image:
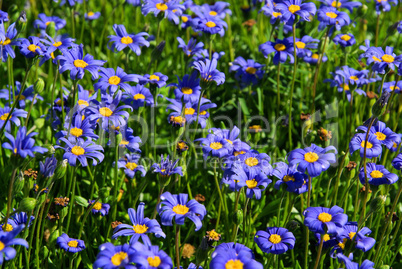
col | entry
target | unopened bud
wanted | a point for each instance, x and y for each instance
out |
(202, 252)
(61, 169)
(292, 225)
(19, 183)
(380, 105)
(27, 204)
(21, 22)
(377, 204)
(39, 86)
(157, 52)
(238, 217)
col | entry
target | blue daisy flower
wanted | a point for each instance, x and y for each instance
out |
(78, 149)
(138, 96)
(292, 8)
(151, 257)
(7, 239)
(330, 16)
(377, 175)
(208, 71)
(313, 59)
(392, 86)
(314, 159)
(177, 206)
(84, 98)
(157, 79)
(218, 9)
(231, 259)
(275, 240)
(329, 240)
(5, 113)
(187, 21)
(269, 10)
(366, 264)
(191, 48)
(281, 48)
(99, 207)
(75, 61)
(169, 9)
(232, 137)
(21, 218)
(23, 143)
(349, 5)
(113, 79)
(140, 227)
(187, 89)
(345, 40)
(166, 168)
(247, 72)
(381, 59)
(60, 42)
(124, 40)
(350, 232)
(43, 21)
(130, 164)
(4, 16)
(80, 127)
(210, 24)
(48, 167)
(325, 220)
(70, 244)
(7, 43)
(115, 257)
(294, 180)
(27, 94)
(232, 246)
(384, 6)
(129, 141)
(383, 133)
(215, 145)
(373, 145)
(304, 45)
(397, 162)
(90, 16)
(252, 160)
(32, 47)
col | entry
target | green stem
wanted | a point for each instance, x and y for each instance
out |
(278, 92)
(319, 253)
(9, 197)
(177, 245)
(293, 85)
(70, 209)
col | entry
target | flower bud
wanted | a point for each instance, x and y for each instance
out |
(157, 52)
(202, 252)
(51, 29)
(377, 204)
(238, 217)
(21, 22)
(380, 105)
(19, 183)
(27, 204)
(39, 86)
(292, 225)
(61, 169)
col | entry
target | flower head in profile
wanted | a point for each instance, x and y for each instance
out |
(294, 180)
(130, 164)
(157, 79)
(314, 159)
(113, 79)
(27, 95)
(14, 117)
(373, 145)
(269, 10)
(393, 86)
(169, 9)
(292, 8)
(90, 16)
(124, 40)
(230, 258)
(208, 71)
(43, 21)
(384, 6)
(70, 244)
(32, 47)
(166, 167)
(8, 41)
(22, 144)
(247, 72)
(138, 96)
(339, 4)
(99, 207)
(218, 9)
(330, 16)
(377, 175)
(351, 232)
(191, 48)
(282, 50)
(366, 264)
(78, 149)
(345, 40)
(325, 220)
(177, 206)
(232, 246)
(275, 240)
(303, 45)
(151, 257)
(48, 167)
(187, 89)
(114, 257)
(75, 61)
(7, 239)
(140, 227)
(313, 58)
(397, 162)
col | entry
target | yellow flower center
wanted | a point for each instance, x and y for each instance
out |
(311, 157)
(314, 56)
(124, 142)
(380, 136)
(4, 116)
(97, 206)
(213, 13)
(178, 119)
(76, 132)
(395, 145)
(342, 245)
(1, 246)
(154, 77)
(210, 24)
(229, 141)
(5, 42)
(126, 40)
(351, 235)
(77, 150)
(394, 88)
(234, 264)
(186, 90)
(184, 19)
(288, 178)
(251, 161)
(213, 235)
(332, 15)
(203, 113)
(387, 58)
(326, 237)
(189, 111)
(376, 59)
(83, 103)
(139, 96)
(216, 145)
(131, 166)
(336, 4)
(80, 64)
(48, 22)
(105, 111)
(276, 14)
(368, 145)
(57, 44)
(346, 37)
(33, 48)
(73, 243)
(114, 80)
(251, 70)
(376, 174)
(118, 258)
(9, 227)
(161, 6)
(294, 8)
(300, 45)
(154, 262)
(180, 209)
(251, 184)
(345, 87)
(275, 238)
(354, 78)
(280, 47)
(324, 217)
(90, 14)
(140, 229)
(237, 153)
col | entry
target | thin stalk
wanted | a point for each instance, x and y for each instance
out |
(30, 109)
(70, 209)
(317, 261)
(278, 92)
(177, 245)
(9, 197)
(293, 85)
